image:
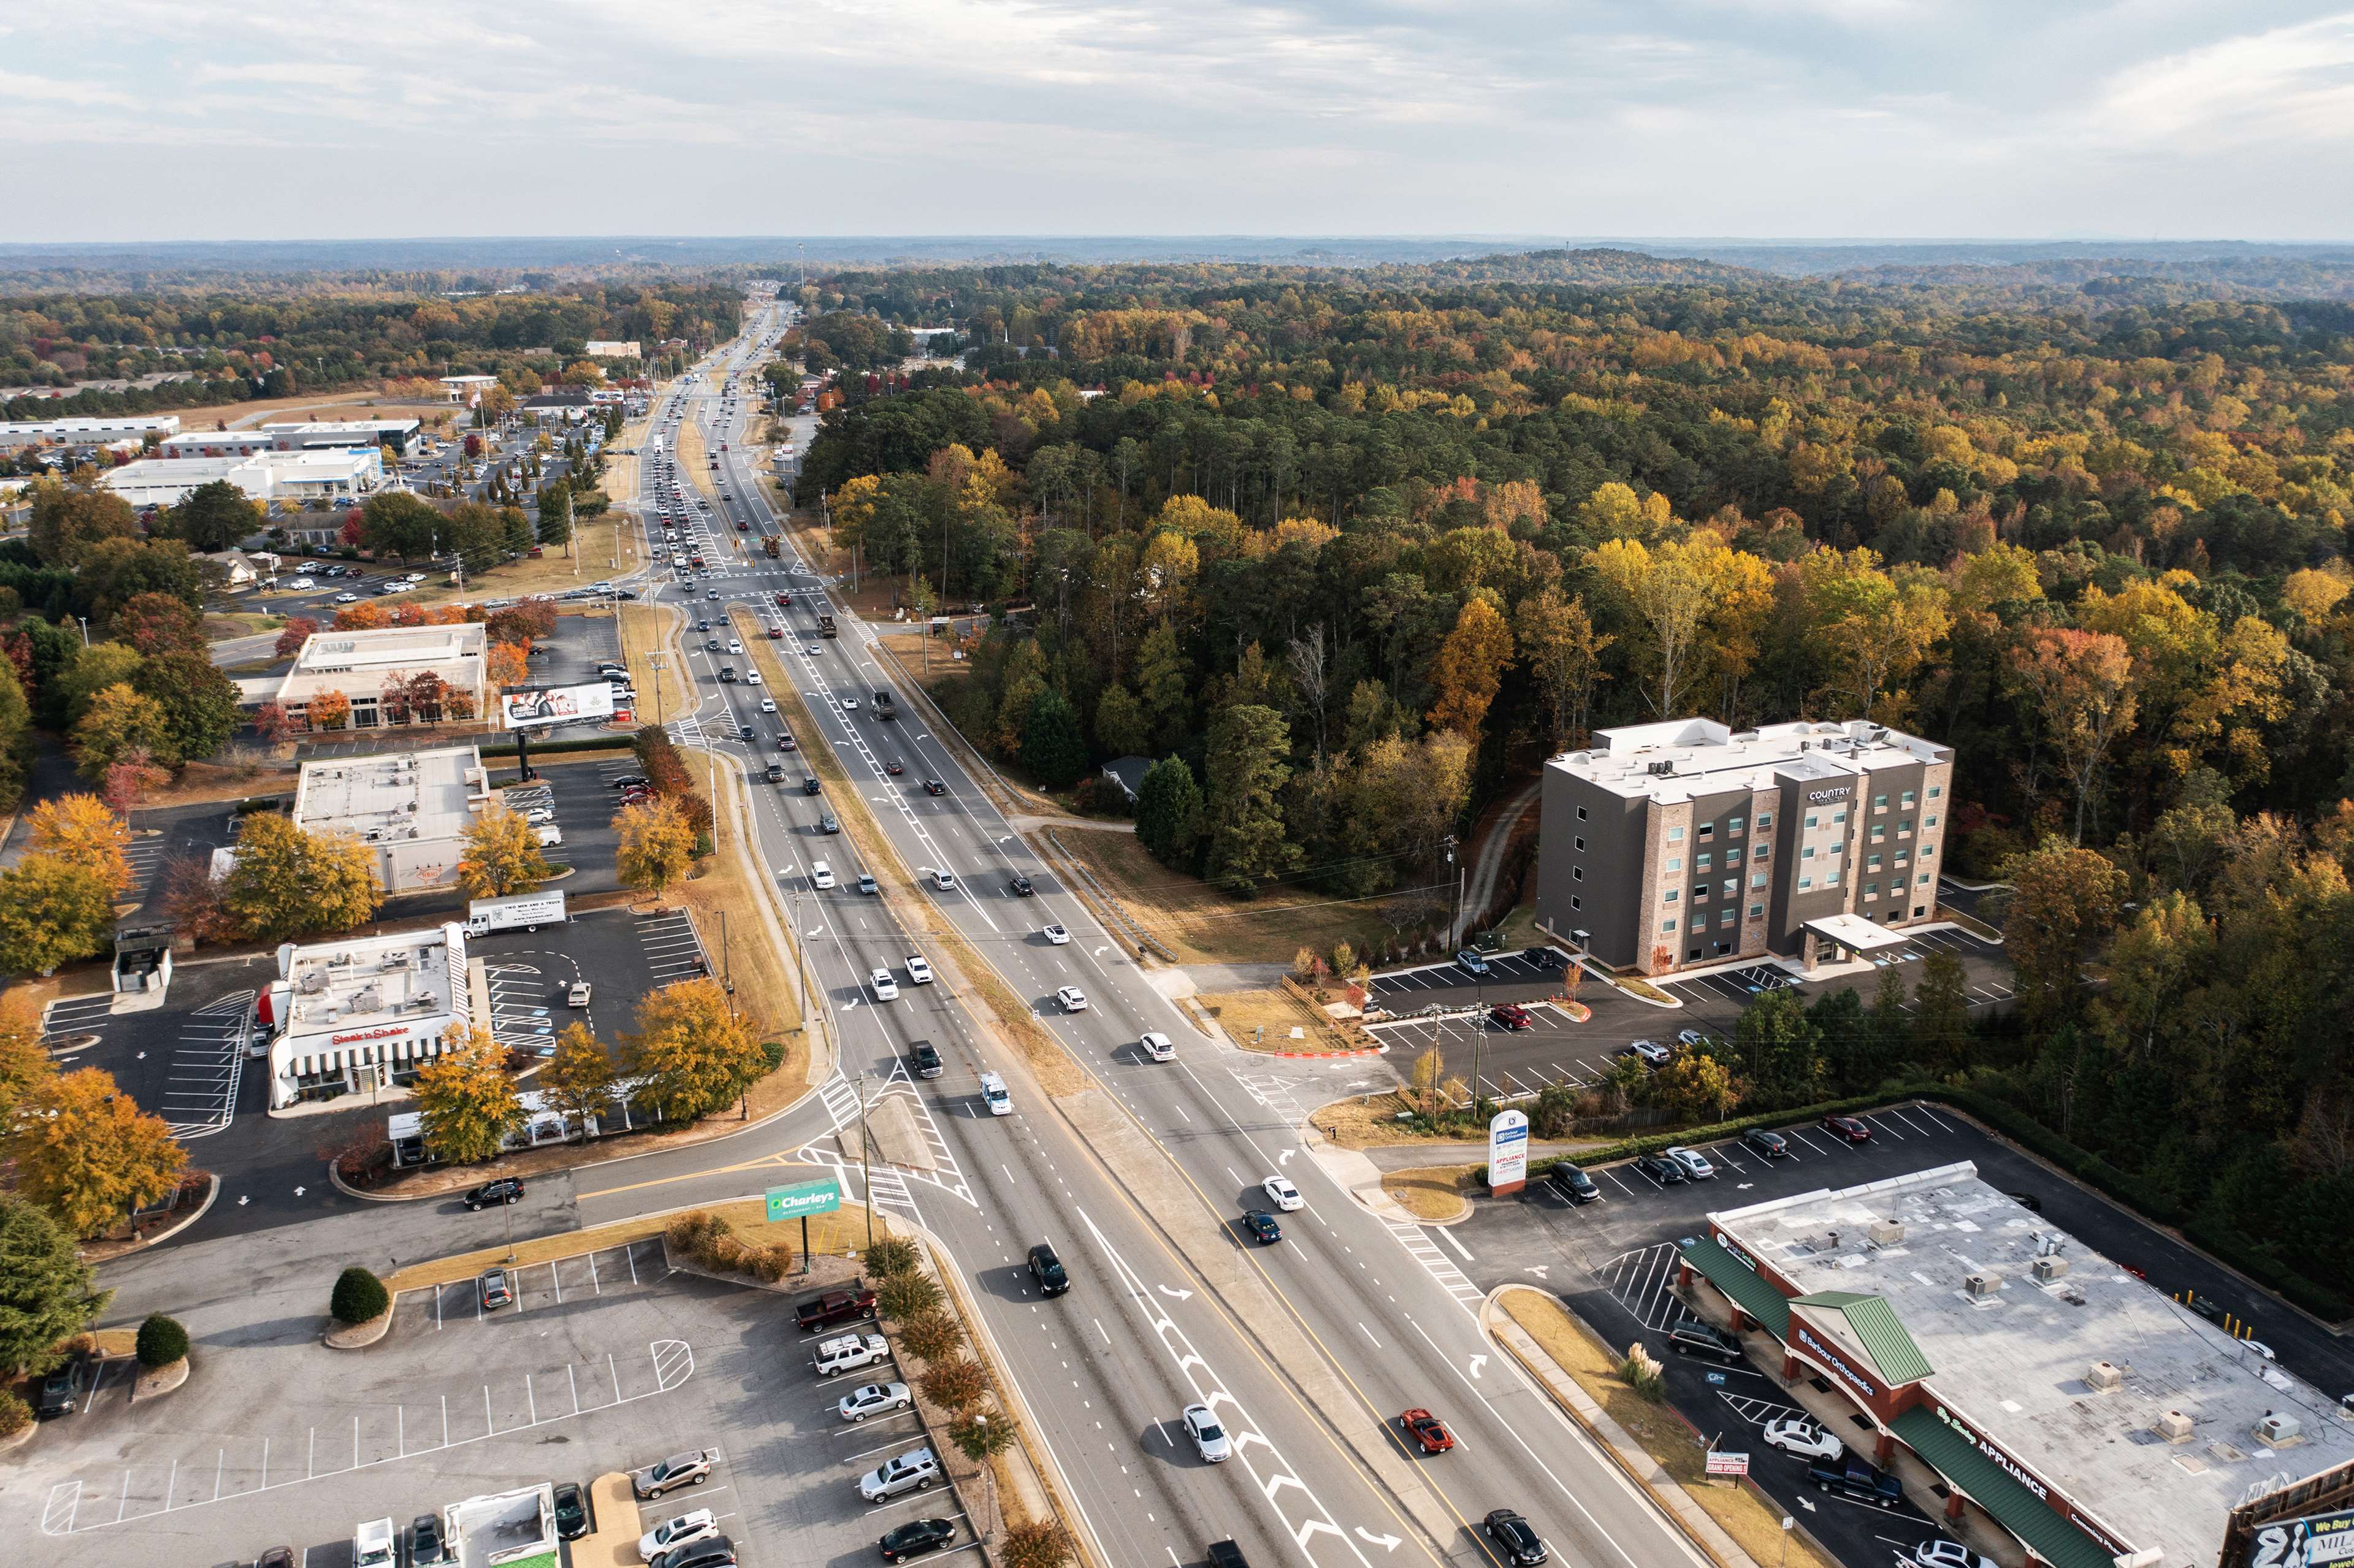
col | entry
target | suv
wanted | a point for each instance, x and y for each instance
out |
(425, 1543)
(919, 973)
(1048, 1271)
(1470, 963)
(928, 1059)
(1650, 1051)
(913, 1471)
(1856, 1479)
(691, 1468)
(1772, 1145)
(1021, 885)
(833, 1307)
(1573, 1184)
(65, 1389)
(1158, 1046)
(1693, 1338)
(993, 1094)
(852, 1352)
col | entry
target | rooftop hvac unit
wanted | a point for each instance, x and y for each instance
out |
(1983, 1284)
(2277, 1428)
(1662, 769)
(368, 1000)
(2049, 1267)
(2173, 1427)
(311, 983)
(2102, 1377)
(1885, 1232)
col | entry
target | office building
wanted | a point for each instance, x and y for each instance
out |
(89, 432)
(364, 665)
(410, 807)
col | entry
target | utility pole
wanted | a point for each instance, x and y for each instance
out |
(1455, 910)
(865, 1165)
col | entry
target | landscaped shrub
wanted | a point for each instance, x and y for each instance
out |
(954, 1386)
(892, 1255)
(908, 1294)
(979, 1436)
(162, 1341)
(15, 1414)
(359, 1298)
(931, 1335)
(1034, 1543)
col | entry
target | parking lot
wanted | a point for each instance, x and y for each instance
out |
(1613, 1262)
(605, 1362)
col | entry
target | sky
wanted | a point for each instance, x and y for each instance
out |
(155, 120)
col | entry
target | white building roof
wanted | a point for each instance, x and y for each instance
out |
(346, 992)
(421, 795)
(1681, 758)
(356, 664)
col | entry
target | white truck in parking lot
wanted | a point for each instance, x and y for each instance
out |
(524, 911)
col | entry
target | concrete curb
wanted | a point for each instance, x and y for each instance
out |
(360, 1336)
(159, 1237)
(162, 1380)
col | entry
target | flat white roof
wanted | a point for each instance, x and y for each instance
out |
(1681, 758)
(1855, 931)
(370, 982)
(403, 796)
(358, 663)
(2013, 1361)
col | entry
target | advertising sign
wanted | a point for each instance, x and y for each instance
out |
(1727, 1464)
(1508, 1151)
(558, 704)
(802, 1199)
(2316, 1540)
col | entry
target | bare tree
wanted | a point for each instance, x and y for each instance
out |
(1311, 673)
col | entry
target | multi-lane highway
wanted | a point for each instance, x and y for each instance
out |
(1307, 1348)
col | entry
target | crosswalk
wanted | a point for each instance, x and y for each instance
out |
(840, 1097)
(1418, 1245)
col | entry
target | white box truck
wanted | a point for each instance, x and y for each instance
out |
(524, 911)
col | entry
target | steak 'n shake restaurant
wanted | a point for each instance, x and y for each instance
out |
(2046, 1390)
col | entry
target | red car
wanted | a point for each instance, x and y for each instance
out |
(775, 633)
(1847, 1128)
(742, 527)
(1426, 1431)
(1510, 1015)
(895, 767)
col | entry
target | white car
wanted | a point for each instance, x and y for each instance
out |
(821, 875)
(1695, 1164)
(885, 989)
(374, 1544)
(301, 584)
(1159, 1048)
(849, 705)
(734, 646)
(1282, 1194)
(768, 705)
(1691, 1039)
(1056, 935)
(1073, 998)
(1210, 1439)
(751, 677)
(995, 1095)
(419, 576)
(347, 598)
(1948, 1554)
(1653, 1052)
(918, 971)
(700, 1525)
(874, 1399)
(944, 880)
(1796, 1434)
(809, 648)
(849, 1353)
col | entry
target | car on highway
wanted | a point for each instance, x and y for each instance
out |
(347, 598)
(914, 1538)
(1696, 1166)
(934, 787)
(1510, 1015)
(1470, 963)
(1514, 1537)
(1649, 1051)
(1846, 1129)
(1262, 1226)
(1660, 1169)
(866, 884)
(946, 882)
(919, 969)
(1427, 1432)
(1055, 935)
(1573, 1184)
(1021, 886)
(496, 1289)
(506, 1190)
(809, 785)
(768, 705)
(809, 648)
(787, 743)
(913, 1471)
(676, 1532)
(870, 1400)
(1048, 1271)
(1282, 1193)
(995, 1095)
(734, 646)
(821, 875)
(1761, 1142)
(1807, 1439)
(851, 1353)
(691, 1468)
(884, 987)
(1073, 998)
(849, 702)
(1157, 1046)
(1210, 1440)
(895, 767)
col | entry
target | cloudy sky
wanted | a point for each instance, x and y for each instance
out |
(283, 119)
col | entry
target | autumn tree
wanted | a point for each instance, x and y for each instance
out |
(2082, 683)
(1470, 667)
(81, 832)
(467, 1102)
(501, 856)
(2065, 903)
(88, 1155)
(1694, 1085)
(696, 1052)
(579, 1079)
(24, 1062)
(157, 623)
(328, 710)
(52, 913)
(130, 778)
(1247, 751)
(657, 844)
(121, 720)
(1563, 654)
(290, 883)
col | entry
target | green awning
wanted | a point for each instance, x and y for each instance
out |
(1741, 1282)
(1873, 1323)
(1990, 1486)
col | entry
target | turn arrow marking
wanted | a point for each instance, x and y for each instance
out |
(1386, 1543)
(1176, 1295)
(1477, 1362)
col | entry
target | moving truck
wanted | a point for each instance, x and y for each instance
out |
(524, 911)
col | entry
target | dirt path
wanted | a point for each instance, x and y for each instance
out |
(1481, 889)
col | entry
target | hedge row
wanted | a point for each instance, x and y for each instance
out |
(2227, 1246)
(542, 748)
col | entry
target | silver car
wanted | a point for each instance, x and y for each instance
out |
(1210, 1439)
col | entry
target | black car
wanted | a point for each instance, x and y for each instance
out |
(927, 1060)
(572, 1520)
(1021, 885)
(506, 1190)
(1262, 1227)
(63, 1390)
(914, 1538)
(1573, 1184)
(934, 787)
(276, 1557)
(712, 1551)
(630, 781)
(1856, 1479)
(712, 646)
(1693, 1338)
(1515, 1537)
(1544, 958)
(425, 1543)
(1772, 1145)
(809, 784)
(1660, 1169)
(1048, 1271)
(745, 732)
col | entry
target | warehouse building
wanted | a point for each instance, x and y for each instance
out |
(2012, 1376)
(411, 809)
(361, 1016)
(287, 478)
(363, 665)
(89, 432)
(341, 435)
(1687, 842)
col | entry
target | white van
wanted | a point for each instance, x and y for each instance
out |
(993, 1094)
(821, 875)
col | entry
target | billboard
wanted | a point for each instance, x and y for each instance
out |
(558, 704)
(803, 1198)
(2313, 1542)
(1508, 1151)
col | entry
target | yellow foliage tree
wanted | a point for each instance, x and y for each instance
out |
(501, 856)
(657, 845)
(79, 831)
(467, 1103)
(87, 1154)
(1471, 666)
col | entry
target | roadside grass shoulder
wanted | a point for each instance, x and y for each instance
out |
(834, 1234)
(1433, 1192)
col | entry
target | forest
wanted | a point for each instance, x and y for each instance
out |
(1349, 552)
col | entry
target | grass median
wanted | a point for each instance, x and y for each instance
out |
(914, 905)
(831, 1235)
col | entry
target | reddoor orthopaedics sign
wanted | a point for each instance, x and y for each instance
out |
(559, 704)
(1508, 1151)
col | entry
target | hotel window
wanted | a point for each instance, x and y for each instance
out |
(1581, 813)
(1577, 873)
(1835, 848)
(1923, 879)
(1805, 883)
(1906, 798)
(1928, 850)
(1757, 879)
(1579, 843)
(1900, 862)
(1576, 901)
(1830, 879)
(1667, 925)
(1675, 835)
(1758, 911)
(1725, 919)
(1935, 791)
(1872, 862)
(1878, 833)
(1808, 852)
(1930, 822)
(1903, 827)
(1675, 862)
(1733, 827)
(1764, 820)
(1731, 885)
(1879, 802)
(1699, 862)
(1670, 896)
(1813, 818)
(1706, 829)
(1871, 890)
(1700, 895)
(1731, 857)
(1837, 817)
(1760, 852)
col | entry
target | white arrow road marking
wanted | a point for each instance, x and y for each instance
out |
(1743, 1186)
(1805, 1504)
(1477, 1362)
(1176, 1295)
(1386, 1543)
(1541, 1269)
(1100, 951)
(1283, 1157)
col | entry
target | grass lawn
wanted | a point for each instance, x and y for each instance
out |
(762, 975)
(643, 629)
(357, 404)
(219, 626)
(1753, 1520)
(843, 1231)
(1264, 1020)
(1432, 1193)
